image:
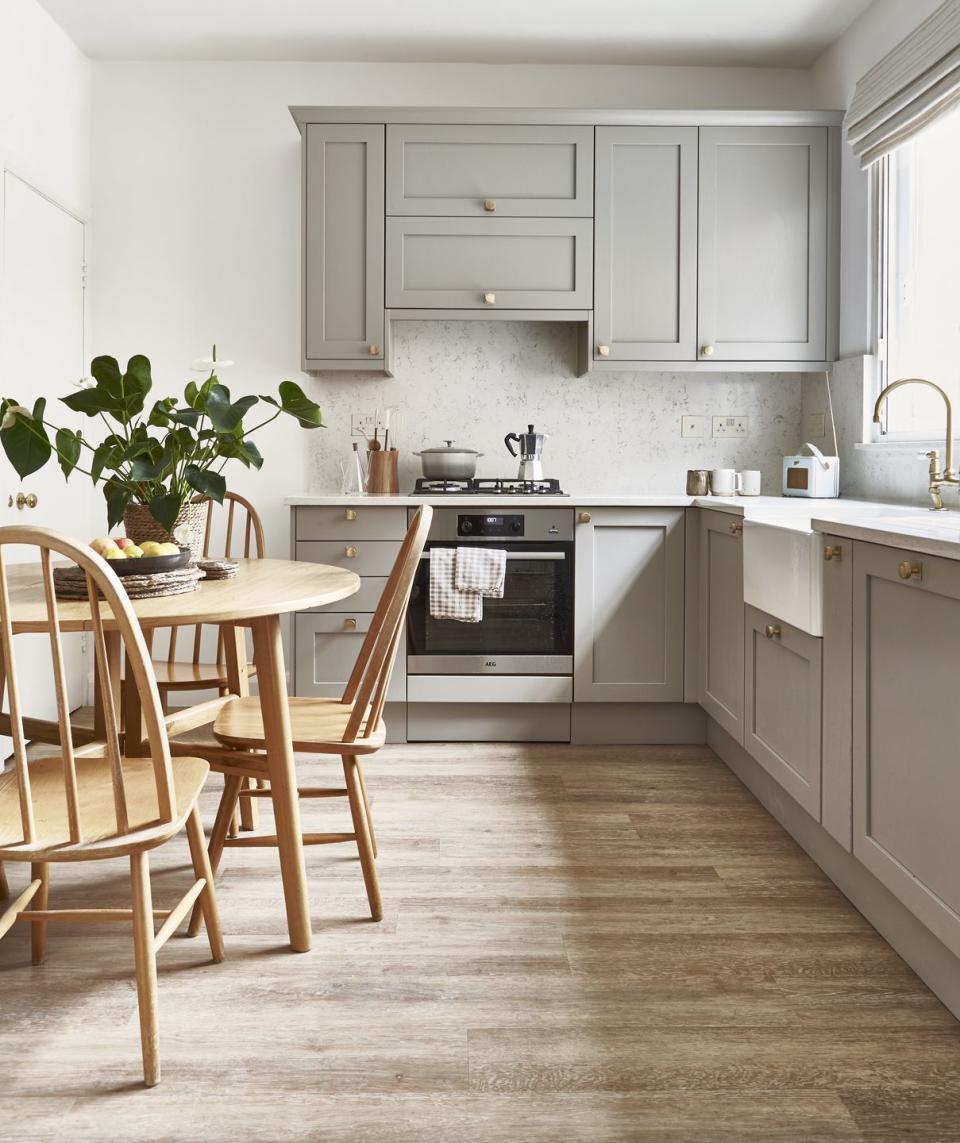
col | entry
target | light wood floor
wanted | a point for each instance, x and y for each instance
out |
(587, 944)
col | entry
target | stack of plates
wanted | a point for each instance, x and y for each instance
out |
(218, 569)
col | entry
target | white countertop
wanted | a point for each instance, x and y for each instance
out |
(898, 525)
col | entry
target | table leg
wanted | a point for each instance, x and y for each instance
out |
(134, 739)
(271, 675)
(238, 683)
(113, 644)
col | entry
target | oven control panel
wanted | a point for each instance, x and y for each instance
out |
(507, 525)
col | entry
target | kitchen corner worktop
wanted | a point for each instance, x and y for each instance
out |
(898, 525)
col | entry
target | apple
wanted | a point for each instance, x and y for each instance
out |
(132, 552)
(151, 548)
(112, 553)
(169, 550)
(100, 544)
(123, 542)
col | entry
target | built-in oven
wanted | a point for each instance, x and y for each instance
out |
(527, 632)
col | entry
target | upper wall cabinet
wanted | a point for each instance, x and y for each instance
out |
(764, 231)
(645, 306)
(343, 222)
(476, 171)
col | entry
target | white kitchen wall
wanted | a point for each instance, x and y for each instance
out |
(196, 190)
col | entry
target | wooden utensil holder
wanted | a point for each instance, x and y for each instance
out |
(382, 475)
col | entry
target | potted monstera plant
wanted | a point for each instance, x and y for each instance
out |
(152, 458)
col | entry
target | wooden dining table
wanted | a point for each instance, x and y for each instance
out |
(260, 593)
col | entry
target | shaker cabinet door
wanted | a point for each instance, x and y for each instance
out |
(645, 306)
(906, 730)
(343, 222)
(763, 259)
(721, 620)
(628, 644)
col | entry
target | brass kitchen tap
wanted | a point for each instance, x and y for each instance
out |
(937, 478)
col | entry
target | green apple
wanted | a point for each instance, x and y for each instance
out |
(151, 548)
(169, 550)
(132, 552)
(112, 553)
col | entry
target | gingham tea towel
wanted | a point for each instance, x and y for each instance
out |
(445, 601)
(481, 570)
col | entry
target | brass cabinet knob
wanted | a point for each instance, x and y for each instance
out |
(584, 518)
(350, 552)
(911, 569)
(489, 299)
(736, 528)
(706, 351)
(350, 514)
(374, 351)
(772, 631)
(24, 500)
(603, 350)
(350, 624)
(833, 553)
(490, 205)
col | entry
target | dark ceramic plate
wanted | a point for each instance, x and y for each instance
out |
(148, 565)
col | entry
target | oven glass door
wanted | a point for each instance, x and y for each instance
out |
(529, 631)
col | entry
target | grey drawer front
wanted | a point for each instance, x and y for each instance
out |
(326, 650)
(333, 523)
(369, 557)
(520, 171)
(451, 263)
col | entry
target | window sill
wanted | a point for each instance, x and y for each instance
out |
(881, 447)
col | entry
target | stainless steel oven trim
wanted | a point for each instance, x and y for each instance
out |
(489, 664)
(513, 555)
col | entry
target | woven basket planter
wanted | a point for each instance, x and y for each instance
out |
(139, 524)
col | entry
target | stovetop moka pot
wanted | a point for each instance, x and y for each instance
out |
(531, 450)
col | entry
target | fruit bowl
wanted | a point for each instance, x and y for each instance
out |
(149, 565)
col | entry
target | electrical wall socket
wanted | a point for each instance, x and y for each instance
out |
(363, 424)
(692, 426)
(731, 426)
(815, 425)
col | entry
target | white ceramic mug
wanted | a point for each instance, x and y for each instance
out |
(749, 482)
(724, 481)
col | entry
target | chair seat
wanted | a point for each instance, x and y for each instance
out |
(97, 817)
(179, 676)
(317, 726)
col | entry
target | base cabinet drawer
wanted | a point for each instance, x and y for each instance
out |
(782, 708)
(325, 650)
(490, 264)
(489, 170)
(366, 558)
(350, 523)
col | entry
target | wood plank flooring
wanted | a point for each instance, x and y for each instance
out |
(579, 943)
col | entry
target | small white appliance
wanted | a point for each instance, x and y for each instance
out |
(817, 476)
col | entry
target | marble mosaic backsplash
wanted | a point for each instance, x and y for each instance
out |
(475, 381)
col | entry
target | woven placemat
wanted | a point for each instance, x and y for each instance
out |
(218, 569)
(71, 583)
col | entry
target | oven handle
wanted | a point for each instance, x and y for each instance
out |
(522, 555)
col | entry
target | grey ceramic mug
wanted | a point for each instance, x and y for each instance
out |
(698, 482)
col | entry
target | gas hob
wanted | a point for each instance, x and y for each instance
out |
(488, 486)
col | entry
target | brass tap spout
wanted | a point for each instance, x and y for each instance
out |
(948, 476)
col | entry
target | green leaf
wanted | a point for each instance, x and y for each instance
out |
(224, 416)
(237, 449)
(207, 482)
(120, 395)
(117, 498)
(143, 468)
(160, 413)
(26, 442)
(165, 509)
(297, 404)
(106, 373)
(68, 450)
(189, 417)
(92, 402)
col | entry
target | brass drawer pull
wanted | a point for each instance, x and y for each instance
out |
(350, 552)
(736, 529)
(350, 624)
(584, 518)
(772, 631)
(833, 553)
(374, 351)
(350, 514)
(489, 299)
(911, 570)
(490, 205)
(603, 350)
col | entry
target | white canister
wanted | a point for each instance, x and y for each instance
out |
(723, 481)
(750, 482)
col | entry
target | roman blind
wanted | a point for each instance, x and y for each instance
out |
(913, 84)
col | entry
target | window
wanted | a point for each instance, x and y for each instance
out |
(919, 278)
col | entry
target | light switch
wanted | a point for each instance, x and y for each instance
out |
(692, 426)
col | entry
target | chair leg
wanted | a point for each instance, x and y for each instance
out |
(366, 807)
(221, 826)
(248, 807)
(39, 871)
(362, 830)
(208, 898)
(146, 964)
(4, 885)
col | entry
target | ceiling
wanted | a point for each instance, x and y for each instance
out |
(775, 33)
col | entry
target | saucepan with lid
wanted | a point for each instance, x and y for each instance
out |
(448, 462)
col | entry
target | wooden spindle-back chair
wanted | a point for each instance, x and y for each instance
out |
(351, 726)
(89, 802)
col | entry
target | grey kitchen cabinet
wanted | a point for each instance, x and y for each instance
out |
(765, 233)
(343, 224)
(645, 305)
(906, 730)
(722, 620)
(354, 522)
(326, 649)
(836, 793)
(489, 170)
(628, 605)
(489, 264)
(782, 708)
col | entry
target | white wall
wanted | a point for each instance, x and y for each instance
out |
(196, 190)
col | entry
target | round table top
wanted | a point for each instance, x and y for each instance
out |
(260, 587)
